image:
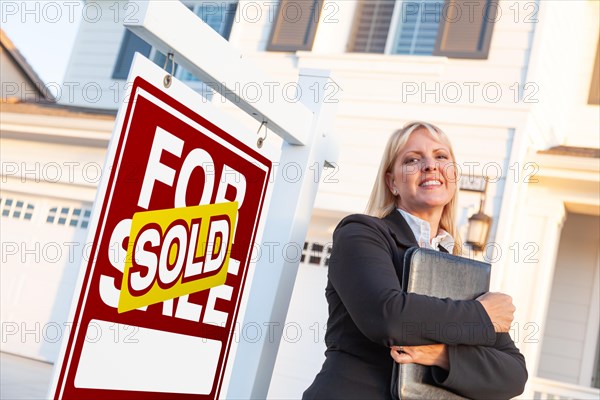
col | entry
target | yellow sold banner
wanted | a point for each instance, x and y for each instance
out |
(175, 252)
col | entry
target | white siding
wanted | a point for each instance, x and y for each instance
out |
(561, 67)
(96, 48)
(251, 27)
(564, 341)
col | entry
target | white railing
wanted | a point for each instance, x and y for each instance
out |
(546, 389)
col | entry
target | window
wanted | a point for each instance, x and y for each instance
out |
(295, 25)
(131, 43)
(69, 216)
(452, 28)
(418, 27)
(317, 255)
(17, 209)
(218, 15)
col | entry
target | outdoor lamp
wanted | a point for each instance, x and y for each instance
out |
(479, 228)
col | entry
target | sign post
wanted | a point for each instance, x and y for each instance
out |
(186, 203)
(286, 228)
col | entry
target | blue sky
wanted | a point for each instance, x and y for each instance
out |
(44, 32)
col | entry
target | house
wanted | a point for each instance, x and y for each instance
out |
(52, 156)
(514, 84)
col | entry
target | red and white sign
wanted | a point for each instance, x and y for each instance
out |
(174, 225)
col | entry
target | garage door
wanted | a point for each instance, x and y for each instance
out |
(302, 345)
(42, 247)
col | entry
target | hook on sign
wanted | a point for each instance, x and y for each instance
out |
(168, 79)
(261, 140)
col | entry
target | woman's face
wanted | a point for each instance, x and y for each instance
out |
(423, 174)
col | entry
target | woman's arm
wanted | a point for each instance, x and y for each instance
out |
(428, 354)
(480, 372)
(362, 271)
(476, 372)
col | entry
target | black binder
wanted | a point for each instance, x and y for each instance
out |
(442, 275)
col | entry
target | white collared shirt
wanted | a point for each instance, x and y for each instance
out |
(422, 231)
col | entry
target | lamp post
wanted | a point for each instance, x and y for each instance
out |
(479, 227)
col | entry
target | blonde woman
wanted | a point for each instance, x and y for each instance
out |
(412, 204)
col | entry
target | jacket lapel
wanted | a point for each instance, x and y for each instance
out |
(400, 230)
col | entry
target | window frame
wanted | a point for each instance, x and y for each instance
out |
(179, 71)
(395, 25)
(125, 54)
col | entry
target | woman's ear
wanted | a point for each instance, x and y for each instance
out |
(389, 180)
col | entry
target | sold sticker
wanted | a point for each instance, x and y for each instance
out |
(175, 252)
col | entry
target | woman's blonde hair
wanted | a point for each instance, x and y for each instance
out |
(382, 202)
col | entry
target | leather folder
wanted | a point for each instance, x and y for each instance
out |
(442, 275)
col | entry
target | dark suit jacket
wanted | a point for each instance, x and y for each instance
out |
(369, 312)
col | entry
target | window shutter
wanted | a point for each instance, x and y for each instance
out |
(130, 44)
(418, 27)
(466, 28)
(230, 10)
(371, 26)
(595, 86)
(295, 25)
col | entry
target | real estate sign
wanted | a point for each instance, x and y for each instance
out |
(177, 214)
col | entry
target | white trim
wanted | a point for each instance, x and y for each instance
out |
(551, 389)
(506, 213)
(394, 24)
(57, 190)
(334, 30)
(374, 63)
(553, 214)
(591, 336)
(562, 166)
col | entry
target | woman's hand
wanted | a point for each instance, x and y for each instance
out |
(499, 308)
(432, 354)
